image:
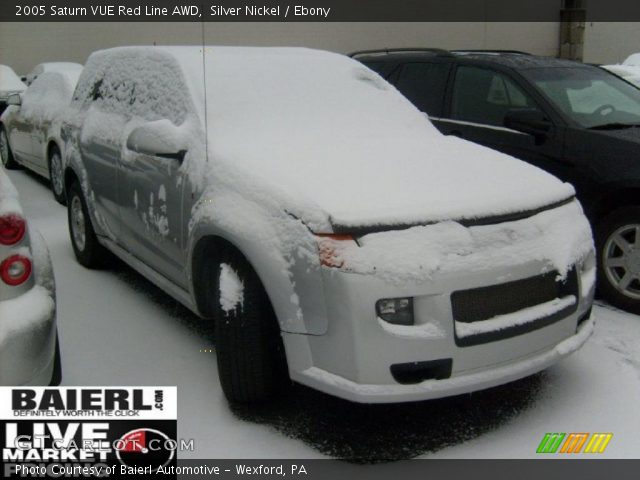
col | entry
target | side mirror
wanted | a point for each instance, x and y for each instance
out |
(528, 120)
(158, 139)
(14, 99)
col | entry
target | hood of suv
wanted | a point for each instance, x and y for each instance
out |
(333, 140)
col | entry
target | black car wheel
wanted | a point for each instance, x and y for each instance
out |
(56, 176)
(56, 375)
(250, 354)
(85, 245)
(618, 242)
(5, 152)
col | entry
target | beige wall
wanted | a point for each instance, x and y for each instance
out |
(609, 42)
(23, 45)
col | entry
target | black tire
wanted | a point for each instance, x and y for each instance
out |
(89, 253)
(251, 359)
(56, 376)
(56, 176)
(619, 221)
(8, 162)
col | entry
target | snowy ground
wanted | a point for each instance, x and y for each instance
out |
(118, 329)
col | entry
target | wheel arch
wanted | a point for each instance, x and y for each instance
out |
(280, 288)
(51, 145)
(70, 176)
(627, 196)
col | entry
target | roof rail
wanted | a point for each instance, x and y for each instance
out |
(437, 51)
(489, 52)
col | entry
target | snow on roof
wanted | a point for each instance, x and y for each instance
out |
(633, 60)
(57, 67)
(48, 95)
(325, 134)
(9, 81)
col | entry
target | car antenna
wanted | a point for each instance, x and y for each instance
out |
(204, 81)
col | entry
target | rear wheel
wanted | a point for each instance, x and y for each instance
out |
(56, 176)
(86, 247)
(8, 161)
(618, 242)
(251, 358)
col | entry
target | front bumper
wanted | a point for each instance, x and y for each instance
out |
(353, 359)
(370, 393)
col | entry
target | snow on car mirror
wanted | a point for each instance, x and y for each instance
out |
(160, 138)
(14, 99)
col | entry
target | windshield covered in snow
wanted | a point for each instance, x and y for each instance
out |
(591, 97)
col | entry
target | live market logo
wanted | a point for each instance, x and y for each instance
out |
(82, 431)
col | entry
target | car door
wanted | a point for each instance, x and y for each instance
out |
(99, 141)
(150, 194)
(478, 102)
(19, 133)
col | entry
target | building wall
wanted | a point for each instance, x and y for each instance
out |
(610, 42)
(23, 45)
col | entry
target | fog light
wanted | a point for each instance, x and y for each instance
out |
(398, 311)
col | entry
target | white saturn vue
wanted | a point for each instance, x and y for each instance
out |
(333, 235)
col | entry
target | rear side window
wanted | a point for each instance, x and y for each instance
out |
(424, 84)
(485, 96)
(143, 85)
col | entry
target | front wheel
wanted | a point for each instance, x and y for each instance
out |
(56, 176)
(251, 359)
(618, 243)
(86, 247)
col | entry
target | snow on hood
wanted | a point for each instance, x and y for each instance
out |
(9, 81)
(329, 141)
(334, 136)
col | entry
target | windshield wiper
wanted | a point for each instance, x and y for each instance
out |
(614, 126)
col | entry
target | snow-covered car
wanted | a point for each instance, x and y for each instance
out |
(29, 348)
(332, 234)
(61, 67)
(10, 83)
(30, 127)
(629, 72)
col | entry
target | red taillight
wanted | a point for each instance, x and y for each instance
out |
(12, 228)
(329, 246)
(15, 270)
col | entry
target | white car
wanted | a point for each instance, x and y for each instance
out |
(333, 235)
(30, 127)
(62, 67)
(29, 348)
(630, 73)
(10, 83)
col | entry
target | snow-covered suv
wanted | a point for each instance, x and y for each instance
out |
(332, 233)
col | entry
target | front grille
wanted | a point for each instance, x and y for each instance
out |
(484, 303)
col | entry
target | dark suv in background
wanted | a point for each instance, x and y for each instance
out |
(576, 121)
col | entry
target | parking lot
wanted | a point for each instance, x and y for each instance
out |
(118, 329)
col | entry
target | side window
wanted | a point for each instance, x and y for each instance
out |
(485, 96)
(145, 85)
(424, 84)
